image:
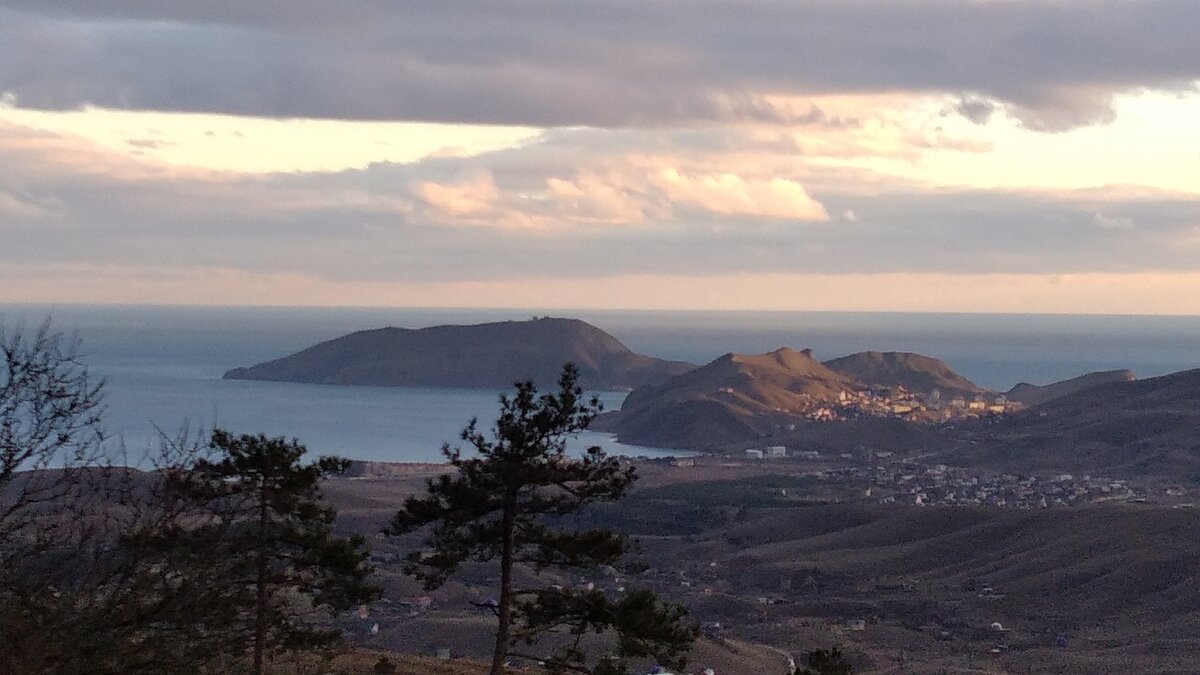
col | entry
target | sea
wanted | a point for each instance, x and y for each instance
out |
(162, 365)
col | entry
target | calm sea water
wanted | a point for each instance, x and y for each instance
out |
(163, 364)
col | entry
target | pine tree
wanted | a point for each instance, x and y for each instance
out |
(500, 507)
(266, 542)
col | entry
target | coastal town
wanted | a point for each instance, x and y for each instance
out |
(940, 485)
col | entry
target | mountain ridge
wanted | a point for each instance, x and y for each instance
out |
(1034, 394)
(751, 383)
(914, 372)
(733, 398)
(483, 355)
(1128, 427)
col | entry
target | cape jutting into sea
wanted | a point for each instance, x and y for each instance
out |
(163, 365)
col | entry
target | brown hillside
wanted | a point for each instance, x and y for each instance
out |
(914, 372)
(734, 398)
(758, 383)
(691, 423)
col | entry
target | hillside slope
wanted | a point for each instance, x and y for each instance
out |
(750, 382)
(1033, 394)
(735, 397)
(1140, 426)
(471, 356)
(1103, 560)
(1117, 580)
(914, 372)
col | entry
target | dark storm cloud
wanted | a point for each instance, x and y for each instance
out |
(625, 62)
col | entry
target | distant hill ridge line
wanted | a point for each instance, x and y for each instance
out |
(721, 398)
(914, 372)
(739, 398)
(1120, 426)
(798, 372)
(1032, 394)
(483, 355)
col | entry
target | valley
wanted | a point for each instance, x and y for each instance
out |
(782, 556)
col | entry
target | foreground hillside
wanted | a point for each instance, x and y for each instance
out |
(473, 356)
(1118, 584)
(771, 572)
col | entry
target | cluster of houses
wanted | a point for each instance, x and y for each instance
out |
(942, 485)
(880, 477)
(933, 407)
(900, 403)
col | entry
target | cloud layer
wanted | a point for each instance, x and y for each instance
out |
(532, 212)
(614, 63)
(697, 143)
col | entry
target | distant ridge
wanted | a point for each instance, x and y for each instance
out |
(1139, 426)
(914, 372)
(750, 383)
(489, 355)
(733, 398)
(1032, 394)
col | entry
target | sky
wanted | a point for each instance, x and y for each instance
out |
(859, 155)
